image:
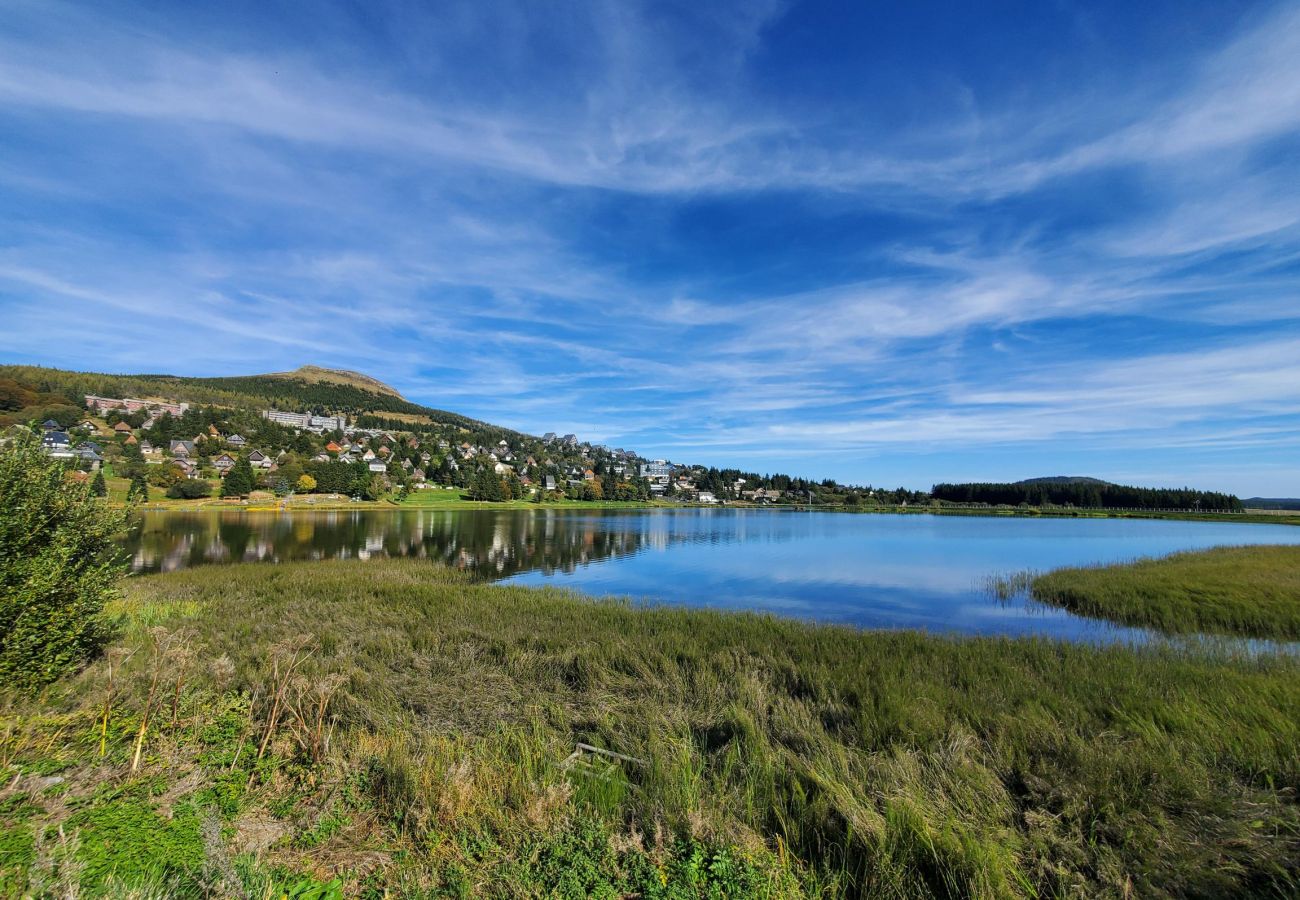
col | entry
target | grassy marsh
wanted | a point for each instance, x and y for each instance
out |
(778, 758)
(1246, 591)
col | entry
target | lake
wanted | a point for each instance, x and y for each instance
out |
(869, 570)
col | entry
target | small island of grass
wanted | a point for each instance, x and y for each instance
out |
(1243, 591)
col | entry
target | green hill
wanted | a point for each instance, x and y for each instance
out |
(309, 388)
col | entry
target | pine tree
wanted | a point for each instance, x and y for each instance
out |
(98, 487)
(138, 490)
(239, 480)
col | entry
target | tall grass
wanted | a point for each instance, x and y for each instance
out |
(1249, 591)
(861, 764)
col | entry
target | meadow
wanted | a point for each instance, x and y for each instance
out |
(390, 728)
(1246, 591)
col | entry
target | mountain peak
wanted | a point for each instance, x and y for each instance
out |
(338, 376)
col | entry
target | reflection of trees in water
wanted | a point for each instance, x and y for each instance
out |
(495, 543)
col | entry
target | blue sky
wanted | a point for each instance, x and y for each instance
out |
(887, 243)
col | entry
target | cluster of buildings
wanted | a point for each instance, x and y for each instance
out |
(556, 463)
(104, 405)
(58, 444)
(307, 421)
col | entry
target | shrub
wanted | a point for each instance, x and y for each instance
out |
(59, 563)
(190, 489)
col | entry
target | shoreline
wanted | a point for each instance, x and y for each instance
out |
(461, 505)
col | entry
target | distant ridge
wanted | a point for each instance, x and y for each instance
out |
(1063, 479)
(345, 377)
(1272, 502)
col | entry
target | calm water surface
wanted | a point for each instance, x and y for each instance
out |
(875, 571)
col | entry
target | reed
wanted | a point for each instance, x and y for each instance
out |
(1247, 591)
(771, 757)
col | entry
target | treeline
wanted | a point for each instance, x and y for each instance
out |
(1116, 496)
(21, 403)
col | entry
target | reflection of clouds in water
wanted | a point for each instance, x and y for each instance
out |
(876, 571)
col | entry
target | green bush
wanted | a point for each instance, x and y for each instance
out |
(58, 565)
(189, 489)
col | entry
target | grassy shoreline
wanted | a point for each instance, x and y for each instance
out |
(1244, 591)
(778, 758)
(453, 501)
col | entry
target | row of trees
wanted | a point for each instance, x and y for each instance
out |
(1086, 494)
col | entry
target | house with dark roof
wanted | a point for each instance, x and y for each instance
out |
(236, 441)
(181, 449)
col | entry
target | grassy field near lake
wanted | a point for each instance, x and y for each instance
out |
(394, 729)
(1248, 591)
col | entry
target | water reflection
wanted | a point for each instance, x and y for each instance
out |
(880, 571)
(492, 543)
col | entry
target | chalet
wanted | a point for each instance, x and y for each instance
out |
(321, 457)
(425, 457)
(377, 465)
(188, 467)
(368, 455)
(550, 480)
(149, 422)
(88, 425)
(548, 438)
(122, 428)
(408, 465)
(259, 460)
(418, 476)
(147, 448)
(333, 447)
(54, 439)
(89, 445)
(236, 441)
(588, 475)
(224, 463)
(502, 469)
(51, 425)
(131, 440)
(385, 452)
(181, 448)
(212, 430)
(706, 497)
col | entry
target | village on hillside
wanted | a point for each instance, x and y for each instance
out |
(196, 451)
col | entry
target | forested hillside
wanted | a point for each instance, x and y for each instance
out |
(282, 391)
